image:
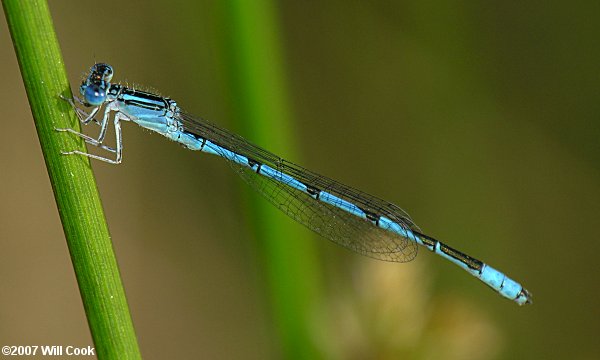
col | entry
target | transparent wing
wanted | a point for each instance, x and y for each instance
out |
(343, 228)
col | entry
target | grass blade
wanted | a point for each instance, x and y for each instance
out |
(72, 180)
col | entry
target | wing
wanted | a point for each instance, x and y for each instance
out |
(334, 221)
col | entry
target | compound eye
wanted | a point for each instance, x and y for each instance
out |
(94, 94)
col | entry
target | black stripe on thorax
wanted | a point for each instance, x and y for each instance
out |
(143, 99)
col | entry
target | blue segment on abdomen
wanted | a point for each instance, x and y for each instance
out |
(500, 282)
(269, 172)
(389, 225)
(190, 141)
(262, 169)
(347, 206)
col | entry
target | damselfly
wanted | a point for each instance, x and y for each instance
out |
(349, 217)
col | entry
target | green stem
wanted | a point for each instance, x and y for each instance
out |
(72, 180)
(262, 111)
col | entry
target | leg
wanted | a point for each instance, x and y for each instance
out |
(83, 116)
(90, 140)
(103, 127)
(98, 143)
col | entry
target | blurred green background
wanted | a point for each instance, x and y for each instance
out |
(480, 120)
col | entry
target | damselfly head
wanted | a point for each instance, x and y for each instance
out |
(100, 72)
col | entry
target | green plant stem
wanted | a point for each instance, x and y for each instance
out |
(72, 180)
(257, 75)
